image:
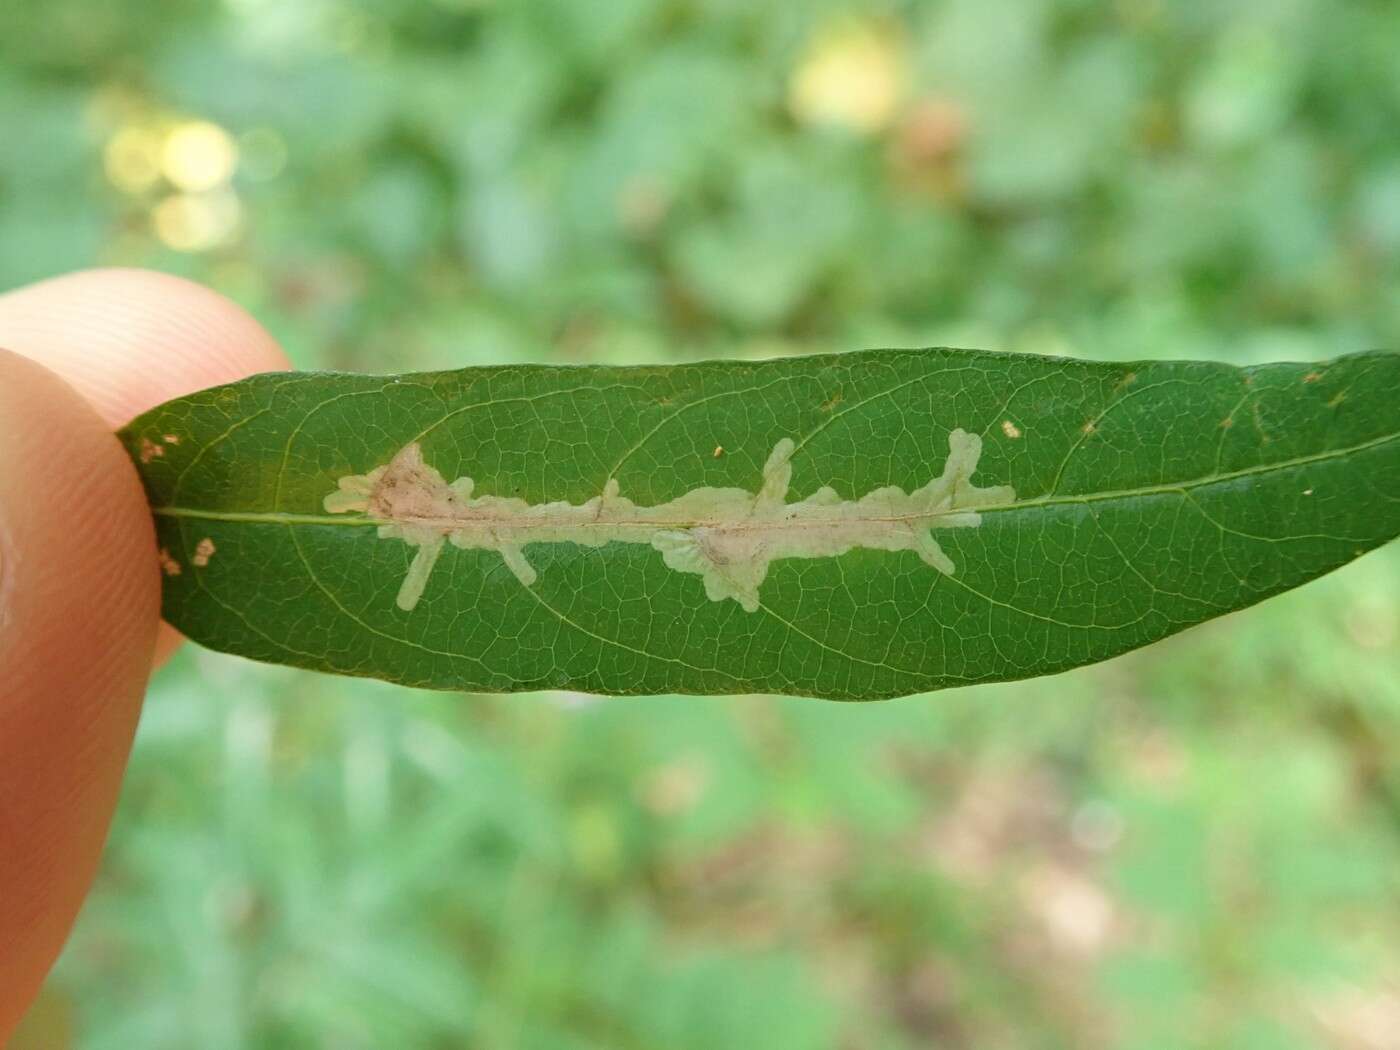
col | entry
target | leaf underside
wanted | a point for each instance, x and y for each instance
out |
(852, 526)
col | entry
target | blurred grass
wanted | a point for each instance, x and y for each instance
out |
(1194, 846)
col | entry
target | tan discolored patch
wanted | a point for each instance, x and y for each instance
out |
(168, 565)
(203, 552)
(150, 450)
(727, 536)
(1088, 428)
(719, 451)
(1010, 429)
(1312, 377)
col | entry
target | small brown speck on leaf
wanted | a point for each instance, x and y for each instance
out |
(1312, 377)
(719, 451)
(831, 402)
(203, 552)
(171, 439)
(1010, 429)
(1089, 428)
(1341, 396)
(150, 450)
(168, 565)
(1227, 422)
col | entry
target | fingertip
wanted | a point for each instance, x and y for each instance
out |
(129, 339)
(79, 607)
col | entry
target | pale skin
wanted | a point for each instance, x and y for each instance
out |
(80, 628)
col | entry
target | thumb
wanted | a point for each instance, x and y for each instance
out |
(79, 606)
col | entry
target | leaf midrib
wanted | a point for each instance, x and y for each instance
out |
(1162, 488)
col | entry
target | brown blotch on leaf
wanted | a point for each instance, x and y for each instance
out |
(1312, 377)
(719, 451)
(168, 565)
(203, 552)
(1010, 429)
(170, 439)
(150, 450)
(409, 490)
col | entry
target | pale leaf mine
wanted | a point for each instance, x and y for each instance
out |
(727, 536)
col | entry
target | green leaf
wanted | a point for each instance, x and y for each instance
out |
(856, 526)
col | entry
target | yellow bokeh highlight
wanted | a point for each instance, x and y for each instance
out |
(132, 158)
(199, 155)
(197, 222)
(852, 76)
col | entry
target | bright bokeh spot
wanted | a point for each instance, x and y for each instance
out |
(851, 76)
(199, 155)
(132, 158)
(197, 222)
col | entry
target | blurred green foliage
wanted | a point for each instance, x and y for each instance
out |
(1196, 846)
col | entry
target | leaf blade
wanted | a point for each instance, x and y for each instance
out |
(1151, 496)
